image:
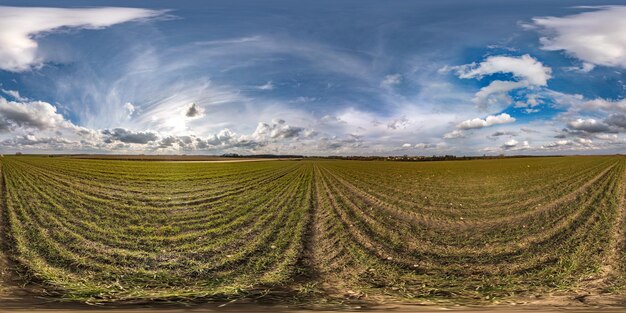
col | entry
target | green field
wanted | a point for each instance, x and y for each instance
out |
(110, 230)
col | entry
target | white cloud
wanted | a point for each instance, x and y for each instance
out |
(36, 125)
(279, 129)
(194, 111)
(532, 100)
(130, 108)
(33, 115)
(524, 68)
(583, 68)
(511, 143)
(589, 125)
(267, 86)
(15, 95)
(128, 136)
(607, 137)
(454, 134)
(496, 93)
(616, 120)
(575, 144)
(558, 143)
(527, 72)
(407, 145)
(597, 37)
(391, 80)
(425, 146)
(604, 105)
(302, 99)
(20, 25)
(402, 122)
(490, 120)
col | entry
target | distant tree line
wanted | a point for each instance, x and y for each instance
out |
(262, 156)
(447, 157)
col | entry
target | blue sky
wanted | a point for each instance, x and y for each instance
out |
(313, 77)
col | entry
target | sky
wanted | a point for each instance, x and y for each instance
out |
(313, 77)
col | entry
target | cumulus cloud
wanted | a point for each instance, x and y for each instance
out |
(528, 130)
(266, 134)
(578, 143)
(19, 27)
(478, 123)
(532, 100)
(194, 111)
(34, 125)
(391, 80)
(341, 144)
(185, 142)
(589, 125)
(558, 143)
(524, 68)
(490, 120)
(527, 72)
(425, 146)
(454, 134)
(36, 114)
(496, 93)
(128, 136)
(595, 37)
(228, 139)
(617, 120)
(604, 105)
(607, 137)
(398, 123)
(511, 143)
(503, 133)
(278, 129)
(33, 140)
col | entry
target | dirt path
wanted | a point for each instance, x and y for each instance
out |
(318, 251)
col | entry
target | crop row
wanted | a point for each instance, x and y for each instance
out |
(84, 241)
(112, 230)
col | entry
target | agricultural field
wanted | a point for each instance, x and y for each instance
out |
(314, 230)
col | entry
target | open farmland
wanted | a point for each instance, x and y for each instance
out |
(109, 230)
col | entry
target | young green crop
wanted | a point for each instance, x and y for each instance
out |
(111, 230)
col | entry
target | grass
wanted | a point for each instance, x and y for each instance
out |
(114, 230)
